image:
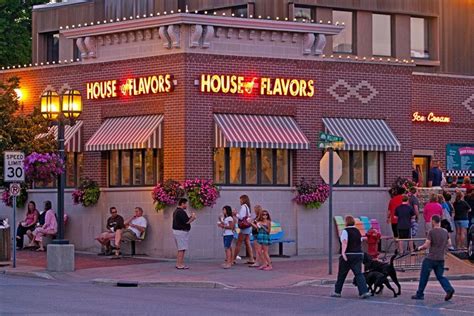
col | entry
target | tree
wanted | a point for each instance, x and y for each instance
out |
(15, 31)
(19, 131)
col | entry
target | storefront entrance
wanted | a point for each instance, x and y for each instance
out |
(422, 167)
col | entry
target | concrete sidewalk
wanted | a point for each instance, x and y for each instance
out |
(287, 272)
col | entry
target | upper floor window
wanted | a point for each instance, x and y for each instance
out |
(342, 43)
(419, 38)
(252, 166)
(303, 14)
(52, 46)
(240, 11)
(139, 167)
(360, 168)
(381, 35)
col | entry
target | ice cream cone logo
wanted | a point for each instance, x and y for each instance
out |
(248, 86)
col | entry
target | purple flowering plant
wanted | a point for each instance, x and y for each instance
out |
(201, 193)
(310, 194)
(21, 199)
(167, 193)
(400, 186)
(87, 194)
(43, 168)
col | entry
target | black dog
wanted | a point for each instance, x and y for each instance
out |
(385, 268)
(375, 281)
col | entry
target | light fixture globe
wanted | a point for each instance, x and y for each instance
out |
(72, 104)
(50, 105)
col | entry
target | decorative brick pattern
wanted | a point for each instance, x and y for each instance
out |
(469, 104)
(352, 91)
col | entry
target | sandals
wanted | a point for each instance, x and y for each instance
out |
(182, 268)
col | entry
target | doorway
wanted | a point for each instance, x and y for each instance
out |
(422, 165)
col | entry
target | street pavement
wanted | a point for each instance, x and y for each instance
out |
(28, 296)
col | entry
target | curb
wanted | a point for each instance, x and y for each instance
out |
(317, 282)
(173, 284)
(38, 275)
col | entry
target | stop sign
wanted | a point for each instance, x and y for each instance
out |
(324, 167)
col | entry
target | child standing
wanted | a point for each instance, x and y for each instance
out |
(264, 226)
(227, 224)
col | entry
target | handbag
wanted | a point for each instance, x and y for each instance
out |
(244, 222)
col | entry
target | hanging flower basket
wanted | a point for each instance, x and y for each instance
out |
(87, 194)
(400, 186)
(167, 193)
(43, 168)
(21, 199)
(310, 194)
(201, 193)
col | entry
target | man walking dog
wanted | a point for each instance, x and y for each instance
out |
(351, 259)
(437, 242)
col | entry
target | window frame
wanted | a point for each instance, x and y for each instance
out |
(366, 175)
(53, 53)
(391, 29)
(312, 11)
(353, 34)
(427, 37)
(259, 167)
(157, 174)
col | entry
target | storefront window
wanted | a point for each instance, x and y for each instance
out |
(342, 43)
(282, 166)
(251, 166)
(359, 168)
(381, 35)
(303, 13)
(419, 38)
(125, 160)
(73, 169)
(135, 167)
(235, 166)
(267, 166)
(219, 165)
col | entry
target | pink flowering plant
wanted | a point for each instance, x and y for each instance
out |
(167, 193)
(310, 194)
(201, 193)
(87, 194)
(43, 168)
(400, 186)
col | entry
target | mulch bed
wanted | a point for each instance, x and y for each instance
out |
(82, 261)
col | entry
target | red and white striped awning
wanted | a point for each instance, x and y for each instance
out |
(258, 131)
(132, 132)
(72, 136)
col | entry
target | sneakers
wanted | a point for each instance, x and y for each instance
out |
(449, 295)
(417, 297)
(334, 294)
(365, 295)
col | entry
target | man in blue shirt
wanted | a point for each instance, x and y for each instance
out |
(435, 176)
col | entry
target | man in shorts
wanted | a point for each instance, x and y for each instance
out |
(134, 228)
(181, 227)
(404, 214)
(114, 223)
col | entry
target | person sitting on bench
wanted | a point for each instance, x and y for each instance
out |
(50, 227)
(134, 228)
(114, 223)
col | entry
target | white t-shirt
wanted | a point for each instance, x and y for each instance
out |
(227, 221)
(139, 221)
(244, 211)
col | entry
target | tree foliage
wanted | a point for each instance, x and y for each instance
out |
(15, 31)
(18, 130)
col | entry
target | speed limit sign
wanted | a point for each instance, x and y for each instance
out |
(13, 166)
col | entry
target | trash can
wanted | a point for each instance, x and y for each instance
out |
(5, 244)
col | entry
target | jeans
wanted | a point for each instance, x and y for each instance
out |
(438, 267)
(353, 263)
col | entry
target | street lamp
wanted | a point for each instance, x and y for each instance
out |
(64, 109)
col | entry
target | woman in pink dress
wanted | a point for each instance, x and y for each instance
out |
(50, 227)
(29, 223)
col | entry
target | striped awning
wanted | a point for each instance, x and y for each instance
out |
(132, 132)
(258, 131)
(72, 136)
(363, 134)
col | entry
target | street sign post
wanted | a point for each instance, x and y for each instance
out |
(13, 171)
(330, 168)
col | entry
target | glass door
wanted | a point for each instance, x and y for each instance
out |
(421, 164)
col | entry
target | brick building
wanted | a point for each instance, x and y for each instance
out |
(162, 100)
